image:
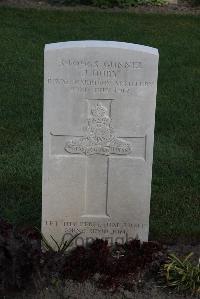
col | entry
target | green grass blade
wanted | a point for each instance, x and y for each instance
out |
(68, 243)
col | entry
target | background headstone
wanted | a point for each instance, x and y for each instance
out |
(99, 114)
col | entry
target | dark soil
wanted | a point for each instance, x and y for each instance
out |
(183, 7)
(127, 268)
(75, 290)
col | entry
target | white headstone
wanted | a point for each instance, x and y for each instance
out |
(99, 114)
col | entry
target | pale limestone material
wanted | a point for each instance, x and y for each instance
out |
(99, 114)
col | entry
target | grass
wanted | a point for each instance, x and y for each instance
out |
(175, 204)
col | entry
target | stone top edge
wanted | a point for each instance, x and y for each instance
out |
(100, 44)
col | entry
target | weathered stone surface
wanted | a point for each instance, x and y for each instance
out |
(99, 113)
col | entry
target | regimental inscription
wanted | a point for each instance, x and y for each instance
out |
(99, 86)
(100, 76)
(100, 138)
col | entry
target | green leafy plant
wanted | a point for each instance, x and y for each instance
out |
(182, 274)
(59, 247)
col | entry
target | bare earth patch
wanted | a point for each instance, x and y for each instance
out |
(180, 8)
(87, 290)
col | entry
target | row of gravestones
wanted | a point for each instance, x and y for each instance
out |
(99, 115)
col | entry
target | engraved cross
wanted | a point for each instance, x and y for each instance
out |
(99, 145)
